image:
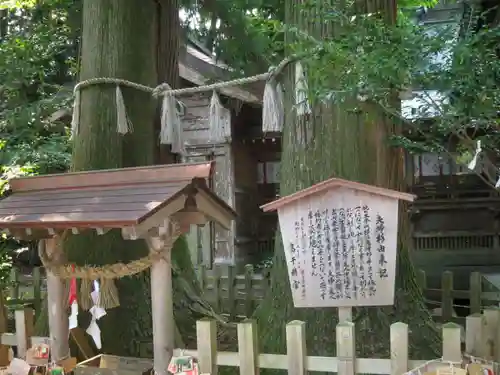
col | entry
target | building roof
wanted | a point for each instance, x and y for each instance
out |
(139, 198)
(335, 183)
(199, 67)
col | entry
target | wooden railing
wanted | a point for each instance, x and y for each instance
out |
(25, 290)
(234, 295)
(455, 241)
(478, 341)
(23, 337)
(481, 340)
(237, 295)
(443, 298)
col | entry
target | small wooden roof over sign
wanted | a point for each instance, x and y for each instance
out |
(136, 200)
(335, 183)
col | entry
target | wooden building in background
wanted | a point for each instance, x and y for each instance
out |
(455, 220)
(246, 168)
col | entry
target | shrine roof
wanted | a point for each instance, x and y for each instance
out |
(335, 183)
(107, 198)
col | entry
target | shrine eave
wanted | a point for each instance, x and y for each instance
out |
(135, 200)
(335, 183)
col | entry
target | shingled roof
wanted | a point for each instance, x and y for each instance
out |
(135, 199)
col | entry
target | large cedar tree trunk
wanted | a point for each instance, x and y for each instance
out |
(336, 142)
(122, 39)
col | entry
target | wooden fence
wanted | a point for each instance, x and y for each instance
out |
(234, 295)
(237, 295)
(23, 337)
(25, 290)
(480, 341)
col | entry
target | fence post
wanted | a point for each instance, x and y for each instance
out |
(346, 350)
(206, 336)
(24, 330)
(216, 288)
(4, 349)
(475, 292)
(248, 348)
(473, 334)
(296, 347)
(446, 296)
(231, 280)
(422, 279)
(492, 320)
(37, 293)
(202, 276)
(14, 284)
(248, 290)
(451, 343)
(399, 348)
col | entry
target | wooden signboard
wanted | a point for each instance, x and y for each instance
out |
(340, 244)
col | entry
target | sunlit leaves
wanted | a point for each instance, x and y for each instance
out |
(36, 59)
(13, 4)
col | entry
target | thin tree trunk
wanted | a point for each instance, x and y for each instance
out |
(335, 141)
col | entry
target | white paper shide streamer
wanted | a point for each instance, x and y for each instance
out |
(273, 113)
(215, 118)
(123, 124)
(75, 119)
(474, 163)
(73, 317)
(96, 312)
(171, 131)
(302, 105)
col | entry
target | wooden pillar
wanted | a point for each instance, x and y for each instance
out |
(58, 316)
(162, 309)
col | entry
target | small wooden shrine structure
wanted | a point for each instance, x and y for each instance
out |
(154, 203)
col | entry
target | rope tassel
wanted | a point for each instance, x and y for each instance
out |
(272, 108)
(108, 294)
(171, 132)
(75, 120)
(123, 124)
(215, 124)
(85, 298)
(302, 104)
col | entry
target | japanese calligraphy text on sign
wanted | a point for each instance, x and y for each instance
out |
(340, 247)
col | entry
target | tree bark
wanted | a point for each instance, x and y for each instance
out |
(129, 40)
(167, 63)
(334, 141)
(118, 41)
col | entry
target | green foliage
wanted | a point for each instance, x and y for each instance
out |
(36, 60)
(15, 4)
(373, 60)
(256, 25)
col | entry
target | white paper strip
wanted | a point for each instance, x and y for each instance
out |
(73, 318)
(97, 313)
(474, 162)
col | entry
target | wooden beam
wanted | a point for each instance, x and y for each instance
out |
(156, 220)
(102, 231)
(162, 308)
(58, 317)
(78, 336)
(4, 349)
(206, 206)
